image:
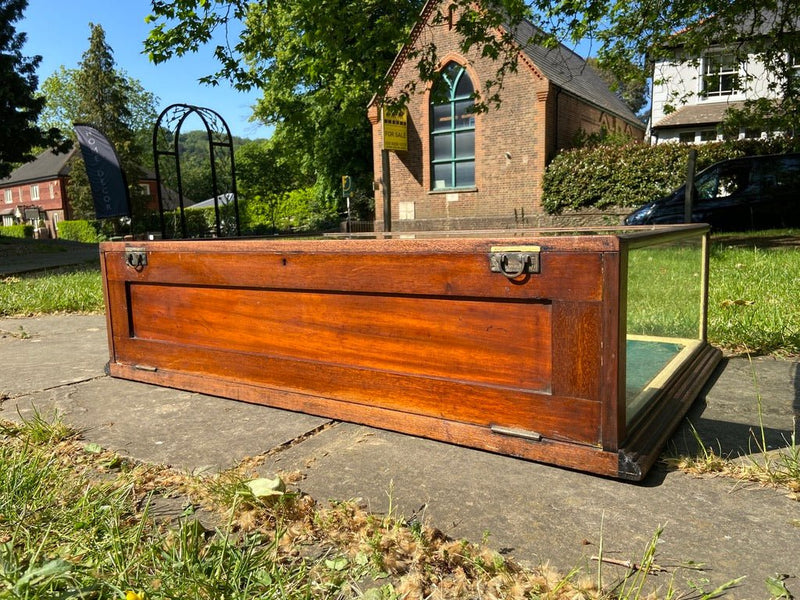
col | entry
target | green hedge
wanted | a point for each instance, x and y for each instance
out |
(78, 231)
(630, 175)
(17, 231)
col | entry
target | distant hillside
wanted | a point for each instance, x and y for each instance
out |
(195, 165)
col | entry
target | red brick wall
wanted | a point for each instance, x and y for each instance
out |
(513, 145)
(575, 115)
(50, 195)
(50, 202)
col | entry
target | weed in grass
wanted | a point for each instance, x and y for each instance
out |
(637, 583)
(38, 429)
(705, 460)
(780, 469)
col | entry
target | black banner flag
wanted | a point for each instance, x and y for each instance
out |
(109, 189)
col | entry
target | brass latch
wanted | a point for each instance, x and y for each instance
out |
(136, 258)
(514, 261)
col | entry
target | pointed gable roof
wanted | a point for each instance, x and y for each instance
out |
(560, 65)
(569, 71)
(48, 165)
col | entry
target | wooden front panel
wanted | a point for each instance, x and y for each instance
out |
(505, 344)
(418, 330)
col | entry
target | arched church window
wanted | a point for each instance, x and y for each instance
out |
(452, 130)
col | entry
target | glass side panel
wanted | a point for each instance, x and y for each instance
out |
(664, 312)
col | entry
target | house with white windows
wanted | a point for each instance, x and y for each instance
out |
(691, 94)
(36, 193)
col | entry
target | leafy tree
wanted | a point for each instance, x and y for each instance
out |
(19, 106)
(64, 97)
(266, 178)
(639, 32)
(104, 99)
(630, 85)
(318, 65)
(196, 177)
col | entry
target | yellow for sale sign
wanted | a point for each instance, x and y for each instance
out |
(395, 129)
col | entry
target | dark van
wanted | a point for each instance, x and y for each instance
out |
(756, 192)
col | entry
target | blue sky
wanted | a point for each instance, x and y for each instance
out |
(58, 31)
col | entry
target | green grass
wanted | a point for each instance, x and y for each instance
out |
(753, 299)
(74, 289)
(664, 288)
(75, 522)
(754, 286)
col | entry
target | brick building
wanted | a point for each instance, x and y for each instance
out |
(467, 171)
(36, 193)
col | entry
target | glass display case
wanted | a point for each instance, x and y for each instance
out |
(578, 348)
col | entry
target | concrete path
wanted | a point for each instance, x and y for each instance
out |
(535, 513)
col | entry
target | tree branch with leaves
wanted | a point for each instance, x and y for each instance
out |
(20, 106)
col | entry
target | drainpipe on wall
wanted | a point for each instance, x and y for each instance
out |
(558, 93)
(386, 189)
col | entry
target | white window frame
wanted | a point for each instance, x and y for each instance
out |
(793, 61)
(34, 192)
(717, 69)
(709, 135)
(8, 196)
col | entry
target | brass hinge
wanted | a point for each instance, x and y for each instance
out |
(525, 434)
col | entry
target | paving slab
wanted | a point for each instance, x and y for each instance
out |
(44, 352)
(533, 512)
(188, 431)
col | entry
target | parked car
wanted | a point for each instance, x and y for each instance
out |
(756, 192)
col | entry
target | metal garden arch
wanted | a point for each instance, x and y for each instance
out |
(220, 148)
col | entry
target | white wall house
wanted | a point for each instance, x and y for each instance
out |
(691, 95)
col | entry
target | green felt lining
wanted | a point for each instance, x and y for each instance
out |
(645, 359)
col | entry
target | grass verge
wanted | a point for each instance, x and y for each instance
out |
(77, 521)
(67, 289)
(753, 292)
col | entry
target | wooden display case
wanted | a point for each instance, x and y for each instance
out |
(521, 343)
